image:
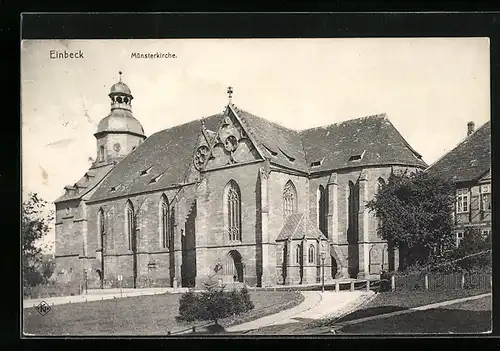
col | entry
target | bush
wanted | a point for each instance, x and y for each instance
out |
(188, 306)
(213, 304)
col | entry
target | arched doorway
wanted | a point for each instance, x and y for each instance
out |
(234, 266)
(334, 267)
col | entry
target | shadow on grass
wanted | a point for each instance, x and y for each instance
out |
(208, 330)
(432, 321)
(369, 312)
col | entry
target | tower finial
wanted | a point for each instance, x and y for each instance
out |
(120, 73)
(230, 92)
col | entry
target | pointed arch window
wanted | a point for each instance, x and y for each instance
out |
(298, 254)
(165, 223)
(311, 253)
(380, 184)
(101, 227)
(323, 210)
(289, 199)
(233, 211)
(130, 225)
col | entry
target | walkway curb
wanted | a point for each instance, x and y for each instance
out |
(410, 310)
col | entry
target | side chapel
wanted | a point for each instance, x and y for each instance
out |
(268, 204)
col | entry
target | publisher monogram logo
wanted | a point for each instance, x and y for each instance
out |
(43, 308)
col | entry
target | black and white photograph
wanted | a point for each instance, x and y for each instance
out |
(256, 187)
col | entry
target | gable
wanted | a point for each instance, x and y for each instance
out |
(231, 144)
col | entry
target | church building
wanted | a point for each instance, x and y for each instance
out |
(265, 204)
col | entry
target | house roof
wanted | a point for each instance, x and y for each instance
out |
(88, 182)
(165, 156)
(469, 160)
(298, 226)
(372, 139)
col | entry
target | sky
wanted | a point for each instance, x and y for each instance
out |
(429, 88)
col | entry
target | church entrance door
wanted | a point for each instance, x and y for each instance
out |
(234, 266)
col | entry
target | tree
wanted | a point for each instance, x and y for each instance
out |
(34, 226)
(415, 214)
(474, 251)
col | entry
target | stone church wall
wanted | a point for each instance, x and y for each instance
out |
(212, 243)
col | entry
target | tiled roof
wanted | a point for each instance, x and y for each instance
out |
(469, 160)
(168, 153)
(373, 139)
(299, 226)
(87, 182)
(282, 145)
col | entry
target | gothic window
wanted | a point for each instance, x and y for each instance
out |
(298, 254)
(101, 226)
(289, 199)
(323, 210)
(353, 209)
(165, 222)
(380, 185)
(130, 225)
(233, 211)
(311, 254)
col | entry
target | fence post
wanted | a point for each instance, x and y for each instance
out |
(337, 286)
(462, 282)
(352, 285)
(426, 282)
(367, 285)
(393, 283)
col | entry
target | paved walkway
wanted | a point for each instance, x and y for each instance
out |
(100, 294)
(316, 305)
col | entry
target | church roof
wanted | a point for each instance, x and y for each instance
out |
(298, 226)
(164, 156)
(88, 182)
(469, 160)
(282, 145)
(366, 141)
(168, 154)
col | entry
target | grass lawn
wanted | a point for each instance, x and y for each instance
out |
(387, 302)
(470, 317)
(140, 315)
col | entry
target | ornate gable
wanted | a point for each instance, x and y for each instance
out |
(231, 144)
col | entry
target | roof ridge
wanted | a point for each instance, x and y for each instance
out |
(382, 115)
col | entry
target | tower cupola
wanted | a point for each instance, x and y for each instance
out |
(119, 132)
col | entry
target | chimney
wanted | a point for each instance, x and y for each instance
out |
(470, 128)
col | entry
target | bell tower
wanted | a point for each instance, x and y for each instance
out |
(119, 133)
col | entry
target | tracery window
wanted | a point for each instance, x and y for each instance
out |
(323, 210)
(289, 199)
(101, 224)
(233, 211)
(130, 224)
(165, 221)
